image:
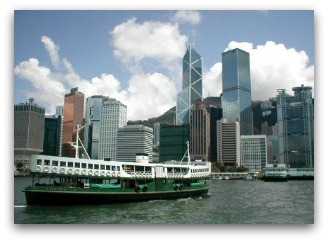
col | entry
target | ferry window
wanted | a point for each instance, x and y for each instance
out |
(63, 163)
(114, 168)
(102, 167)
(54, 163)
(69, 164)
(84, 165)
(118, 168)
(39, 162)
(90, 166)
(97, 167)
(77, 164)
(46, 162)
(107, 167)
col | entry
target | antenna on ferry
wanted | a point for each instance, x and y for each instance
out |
(76, 144)
(187, 153)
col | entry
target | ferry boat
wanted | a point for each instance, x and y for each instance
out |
(72, 181)
(275, 172)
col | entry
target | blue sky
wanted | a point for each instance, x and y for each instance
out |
(135, 56)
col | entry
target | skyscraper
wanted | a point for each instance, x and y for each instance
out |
(296, 128)
(28, 131)
(228, 141)
(199, 132)
(192, 84)
(73, 115)
(236, 86)
(112, 116)
(92, 124)
(53, 129)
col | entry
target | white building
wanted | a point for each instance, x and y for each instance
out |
(228, 143)
(113, 114)
(157, 127)
(253, 152)
(133, 140)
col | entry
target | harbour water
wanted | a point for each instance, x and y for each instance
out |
(229, 202)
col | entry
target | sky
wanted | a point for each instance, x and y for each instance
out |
(135, 56)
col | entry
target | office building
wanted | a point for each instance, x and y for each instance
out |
(28, 131)
(192, 84)
(92, 124)
(236, 86)
(296, 127)
(113, 114)
(73, 115)
(253, 152)
(199, 132)
(157, 129)
(215, 115)
(53, 129)
(228, 141)
(133, 140)
(173, 142)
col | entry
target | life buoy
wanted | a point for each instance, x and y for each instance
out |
(55, 169)
(46, 169)
(97, 173)
(84, 172)
(137, 189)
(70, 171)
(108, 173)
(90, 172)
(62, 170)
(118, 174)
(103, 173)
(77, 171)
(38, 168)
(145, 189)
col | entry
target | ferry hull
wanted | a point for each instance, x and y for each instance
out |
(35, 197)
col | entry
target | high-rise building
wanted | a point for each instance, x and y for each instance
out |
(253, 152)
(236, 86)
(192, 84)
(157, 129)
(73, 115)
(173, 142)
(215, 115)
(228, 141)
(113, 114)
(53, 129)
(296, 127)
(132, 140)
(28, 131)
(199, 132)
(92, 124)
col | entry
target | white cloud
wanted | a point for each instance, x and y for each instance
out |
(150, 95)
(161, 41)
(273, 66)
(48, 89)
(212, 81)
(187, 16)
(147, 95)
(52, 49)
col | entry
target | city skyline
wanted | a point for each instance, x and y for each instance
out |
(112, 60)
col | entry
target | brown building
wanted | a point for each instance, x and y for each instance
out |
(73, 115)
(199, 132)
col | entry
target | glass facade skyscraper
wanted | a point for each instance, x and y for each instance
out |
(236, 86)
(92, 124)
(192, 84)
(296, 128)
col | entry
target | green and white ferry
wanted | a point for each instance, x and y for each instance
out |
(72, 181)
